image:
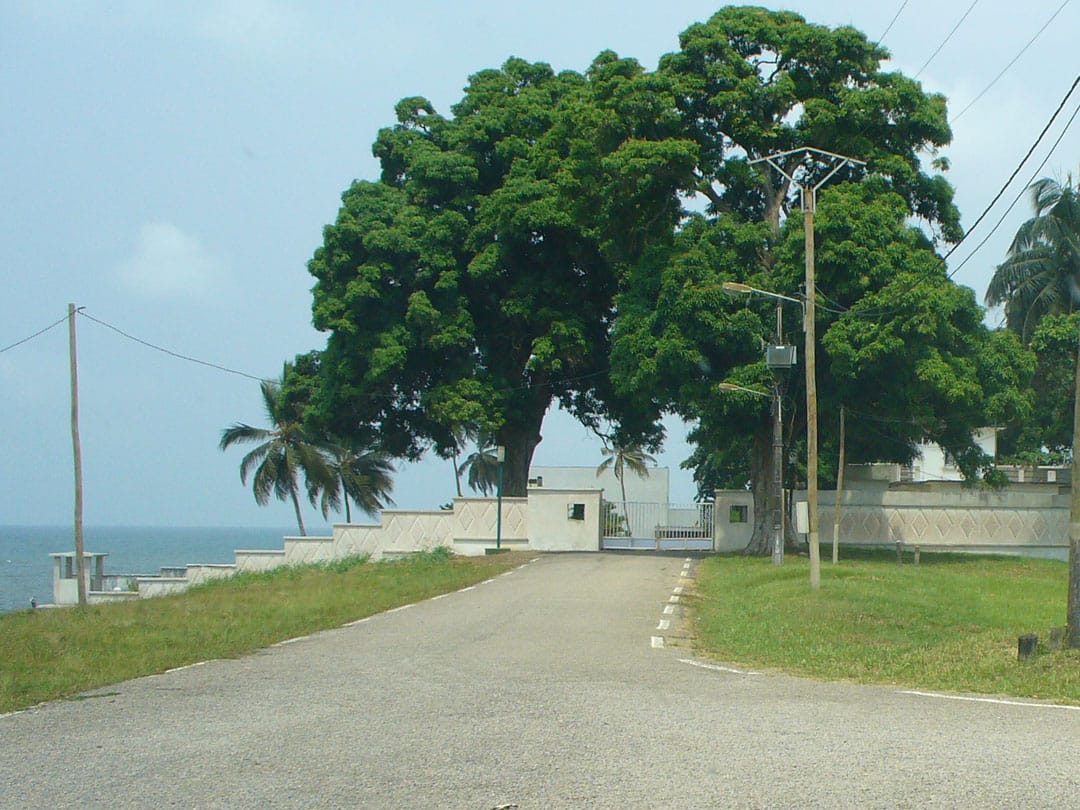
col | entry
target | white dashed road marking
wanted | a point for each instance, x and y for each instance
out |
(657, 642)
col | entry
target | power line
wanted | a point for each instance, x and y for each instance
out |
(878, 313)
(31, 337)
(1005, 69)
(892, 22)
(947, 38)
(1016, 171)
(1021, 194)
(169, 352)
(179, 356)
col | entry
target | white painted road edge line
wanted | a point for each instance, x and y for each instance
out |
(470, 588)
(186, 666)
(669, 609)
(657, 642)
(360, 621)
(997, 701)
(717, 667)
(674, 600)
(290, 641)
(399, 609)
(665, 624)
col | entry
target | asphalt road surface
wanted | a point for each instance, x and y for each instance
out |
(567, 683)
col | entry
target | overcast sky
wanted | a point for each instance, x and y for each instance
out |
(170, 166)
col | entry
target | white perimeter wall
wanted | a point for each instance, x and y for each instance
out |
(1027, 519)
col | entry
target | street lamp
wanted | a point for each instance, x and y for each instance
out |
(736, 287)
(778, 466)
(500, 457)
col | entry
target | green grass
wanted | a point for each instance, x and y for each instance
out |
(950, 623)
(51, 654)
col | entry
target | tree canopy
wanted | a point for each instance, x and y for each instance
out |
(473, 283)
(896, 339)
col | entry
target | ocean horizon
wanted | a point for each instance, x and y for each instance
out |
(26, 567)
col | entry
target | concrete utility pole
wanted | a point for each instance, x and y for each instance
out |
(784, 358)
(839, 493)
(1072, 610)
(808, 194)
(778, 474)
(76, 447)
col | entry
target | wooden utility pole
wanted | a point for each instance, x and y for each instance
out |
(80, 559)
(809, 203)
(808, 192)
(839, 493)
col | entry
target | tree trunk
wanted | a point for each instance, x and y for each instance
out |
(761, 484)
(299, 515)
(457, 471)
(520, 444)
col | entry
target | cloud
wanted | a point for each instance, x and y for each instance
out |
(169, 263)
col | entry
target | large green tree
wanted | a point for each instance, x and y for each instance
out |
(473, 283)
(751, 83)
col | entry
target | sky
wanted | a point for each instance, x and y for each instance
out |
(170, 166)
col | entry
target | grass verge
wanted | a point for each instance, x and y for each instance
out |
(950, 623)
(51, 654)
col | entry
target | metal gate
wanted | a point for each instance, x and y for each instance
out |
(657, 526)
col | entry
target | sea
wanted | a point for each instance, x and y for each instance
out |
(26, 567)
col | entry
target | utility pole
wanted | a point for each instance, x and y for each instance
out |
(777, 356)
(839, 493)
(778, 477)
(80, 561)
(808, 193)
(1072, 611)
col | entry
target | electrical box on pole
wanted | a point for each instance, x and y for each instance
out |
(780, 356)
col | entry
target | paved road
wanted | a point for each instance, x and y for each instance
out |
(539, 689)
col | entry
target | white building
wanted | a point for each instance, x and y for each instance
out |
(652, 489)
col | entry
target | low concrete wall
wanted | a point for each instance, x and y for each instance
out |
(556, 525)
(1028, 519)
(149, 587)
(734, 519)
(547, 520)
(1025, 519)
(204, 572)
(257, 559)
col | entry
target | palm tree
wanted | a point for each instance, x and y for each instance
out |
(463, 434)
(1041, 275)
(283, 452)
(482, 465)
(618, 458)
(362, 474)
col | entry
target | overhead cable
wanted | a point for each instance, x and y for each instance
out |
(1005, 69)
(169, 352)
(31, 337)
(947, 38)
